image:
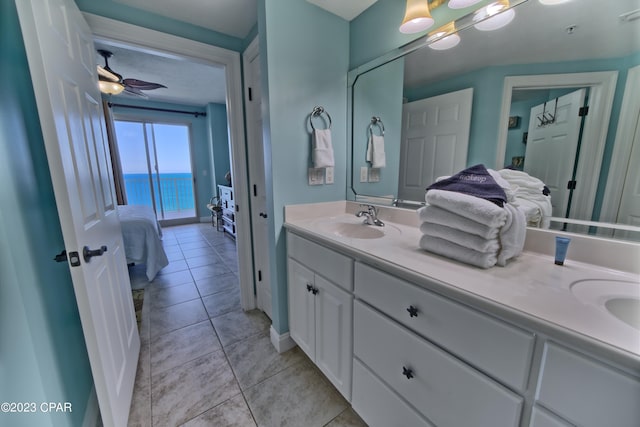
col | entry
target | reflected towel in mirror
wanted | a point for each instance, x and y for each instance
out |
(375, 151)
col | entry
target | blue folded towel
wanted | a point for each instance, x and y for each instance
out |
(473, 181)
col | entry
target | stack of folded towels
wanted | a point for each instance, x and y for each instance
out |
(468, 218)
(531, 195)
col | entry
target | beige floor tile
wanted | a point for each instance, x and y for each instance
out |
(215, 284)
(164, 297)
(203, 260)
(238, 325)
(173, 279)
(184, 392)
(255, 359)
(167, 319)
(182, 345)
(222, 302)
(232, 413)
(174, 265)
(348, 418)
(209, 271)
(297, 396)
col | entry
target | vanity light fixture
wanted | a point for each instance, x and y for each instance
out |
(493, 16)
(439, 40)
(461, 4)
(552, 2)
(417, 17)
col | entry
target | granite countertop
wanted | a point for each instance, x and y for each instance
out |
(530, 288)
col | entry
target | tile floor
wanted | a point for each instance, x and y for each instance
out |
(205, 362)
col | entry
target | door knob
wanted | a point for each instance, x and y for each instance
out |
(87, 253)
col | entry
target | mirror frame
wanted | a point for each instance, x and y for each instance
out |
(602, 90)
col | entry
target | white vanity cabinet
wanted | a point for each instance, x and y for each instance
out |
(320, 308)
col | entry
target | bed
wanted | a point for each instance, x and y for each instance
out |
(142, 236)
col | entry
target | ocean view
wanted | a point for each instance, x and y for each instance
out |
(176, 190)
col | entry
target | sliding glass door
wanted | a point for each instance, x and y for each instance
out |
(156, 166)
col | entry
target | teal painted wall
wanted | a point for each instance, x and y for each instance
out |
(209, 141)
(306, 61)
(378, 93)
(43, 355)
(121, 12)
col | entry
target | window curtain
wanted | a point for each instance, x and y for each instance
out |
(118, 179)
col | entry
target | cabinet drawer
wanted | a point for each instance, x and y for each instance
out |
(329, 264)
(226, 193)
(586, 392)
(542, 418)
(499, 349)
(446, 391)
(378, 405)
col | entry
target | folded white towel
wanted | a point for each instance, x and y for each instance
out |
(461, 238)
(457, 252)
(438, 216)
(521, 179)
(509, 191)
(512, 235)
(471, 207)
(375, 151)
(322, 149)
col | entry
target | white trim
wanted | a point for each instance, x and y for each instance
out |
(629, 113)
(92, 411)
(602, 87)
(282, 342)
(127, 34)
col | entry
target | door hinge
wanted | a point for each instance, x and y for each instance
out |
(237, 208)
(571, 185)
(259, 275)
(250, 95)
(255, 190)
(583, 111)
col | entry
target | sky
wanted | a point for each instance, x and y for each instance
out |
(171, 144)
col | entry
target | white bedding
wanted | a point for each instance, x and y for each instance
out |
(142, 237)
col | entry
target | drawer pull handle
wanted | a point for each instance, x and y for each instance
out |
(309, 288)
(413, 312)
(314, 291)
(407, 373)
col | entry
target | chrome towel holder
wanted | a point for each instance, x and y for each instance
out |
(376, 121)
(318, 112)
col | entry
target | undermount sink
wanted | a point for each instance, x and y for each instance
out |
(619, 297)
(356, 230)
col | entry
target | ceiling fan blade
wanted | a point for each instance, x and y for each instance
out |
(108, 74)
(135, 92)
(142, 85)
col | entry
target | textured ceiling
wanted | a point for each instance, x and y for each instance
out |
(232, 17)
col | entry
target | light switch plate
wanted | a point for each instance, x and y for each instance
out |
(316, 176)
(364, 174)
(374, 175)
(328, 175)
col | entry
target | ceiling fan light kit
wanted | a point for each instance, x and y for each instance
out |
(112, 83)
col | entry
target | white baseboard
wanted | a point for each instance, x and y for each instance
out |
(282, 342)
(92, 412)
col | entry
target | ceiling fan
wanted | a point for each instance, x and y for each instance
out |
(112, 83)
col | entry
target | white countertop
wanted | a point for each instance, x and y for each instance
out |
(531, 285)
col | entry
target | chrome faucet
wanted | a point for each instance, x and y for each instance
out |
(371, 216)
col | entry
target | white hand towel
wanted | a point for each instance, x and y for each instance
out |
(457, 252)
(375, 151)
(461, 238)
(438, 216)
(512, 235)
(322, 149)
(471, 207)
(509, 191)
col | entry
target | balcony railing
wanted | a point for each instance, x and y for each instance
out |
(176, 191)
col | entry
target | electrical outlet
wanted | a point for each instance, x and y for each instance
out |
(328, 175)
(374, 175)
(364, 174)
(316, 176)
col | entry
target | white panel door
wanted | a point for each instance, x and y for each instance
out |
(334, 308)
(62, 64)
(434, 142)
(302, 324)
(551, 149)
(629, 212)
(255, 151)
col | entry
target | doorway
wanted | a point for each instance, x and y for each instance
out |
(155, 159)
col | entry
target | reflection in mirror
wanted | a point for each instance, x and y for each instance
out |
(577, 38)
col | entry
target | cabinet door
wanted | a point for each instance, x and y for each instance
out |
(334, 308)
(302, 308)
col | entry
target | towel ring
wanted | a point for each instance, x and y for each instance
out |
(317, 112)
(376, 121)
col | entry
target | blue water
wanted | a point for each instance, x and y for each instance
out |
(176, 189)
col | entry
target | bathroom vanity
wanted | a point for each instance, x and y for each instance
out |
(414, 339)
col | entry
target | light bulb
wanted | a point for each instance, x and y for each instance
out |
(461, 4)
(493, 16)
(444, 43)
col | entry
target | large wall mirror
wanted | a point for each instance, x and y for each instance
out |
(482, 101)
